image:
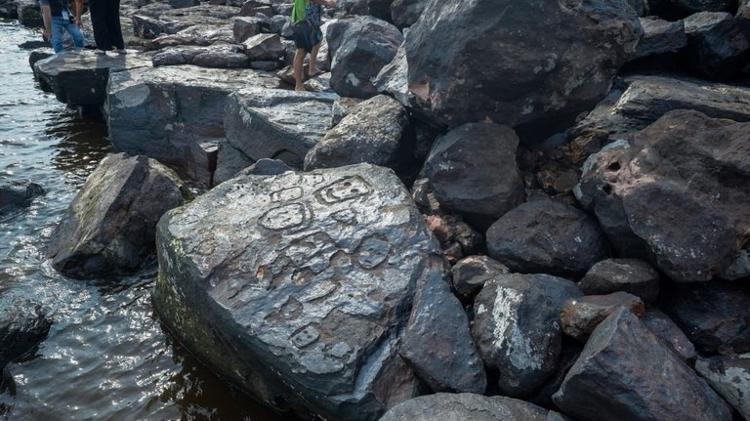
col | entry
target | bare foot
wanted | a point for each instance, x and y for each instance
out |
(300, 88)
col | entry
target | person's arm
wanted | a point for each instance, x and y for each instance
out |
(47, 18)
(78, 6)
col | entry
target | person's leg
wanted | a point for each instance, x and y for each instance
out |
(75, 33)
(56, 37)
(299, 62)
(312, 68)
(113, 23)
(98, 9)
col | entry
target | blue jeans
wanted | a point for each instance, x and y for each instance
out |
(59, 26)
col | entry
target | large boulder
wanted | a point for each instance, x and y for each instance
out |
(661, 37)
(437, 343)
(16, 195)
(498, 60)
(466, 406)
(472, 171)
(23, 326)
(626, 373)
(718, 47)
(406, 12)
(695, 167)
(200, 35)
(547, 236)
(670, 334)
(175, 113)
(110, 226)
(375, 132)
(517, 328)
(471, 273)
(580, 316)
(630, 275)
(714, 316)
(151, 22)
(273, 123)
(360, 46)
(297, 287)
(218, 56)
(80, 77)
(730, 376)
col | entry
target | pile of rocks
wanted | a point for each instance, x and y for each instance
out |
(514, 210)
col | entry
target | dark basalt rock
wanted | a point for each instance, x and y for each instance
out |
(467, 406)
(437, 343)
(80, 77)
(661, 37)
(471, 273)
(630, 275)
(406, 12)
(374, 132)
(150, 23)
(718, 47)
(218, 56)
(198, 35)
(109, 228)
(517, 328)
(298, 286)
(360, 47)
(380, 9)
(665, 329)
(473, 172)
(23, 326)
(696, 168)
(175, 113)
(714, 316)
(544, 73)
(17, 195)
(580, 316)
(264, 47)
(730, 377)
(614, 379)
(246, 27)
(547, 236)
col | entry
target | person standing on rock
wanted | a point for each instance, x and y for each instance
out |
(105, 17)
(307, 19)
(58, 20)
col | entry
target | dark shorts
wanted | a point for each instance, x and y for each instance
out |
(307, 35)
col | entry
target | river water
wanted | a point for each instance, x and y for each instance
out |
(106, 357)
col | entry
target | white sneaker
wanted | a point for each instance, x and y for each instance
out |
(121, 52)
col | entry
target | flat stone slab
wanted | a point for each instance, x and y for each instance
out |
(298, 286)
(80, 77)
(175, 114)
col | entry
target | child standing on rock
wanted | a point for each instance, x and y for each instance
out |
(307, 19)
(58, 20)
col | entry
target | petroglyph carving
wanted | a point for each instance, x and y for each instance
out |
(344, 189)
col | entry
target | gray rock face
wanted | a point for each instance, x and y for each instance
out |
(630, 275)
(246, 27)
(694, 167)
(466, 406)
(109, 228)
(645, 99)
(718, 47)
(393, 78)
(517, 328)
(660, 37)
(14, 196)
(437, 343)
(218, 56)
(580, 316)
(80, 78)
(665, 329)
(360, 47)
(264, 47)
(560, 72)
(39, 55)
(151, 23)
(23, 326)
(715, 317)
(547, 236)
(471, 273)
(375, 132)
(472, 170)
(406, 12)
(274, 123)
(299, 285)
(199, 35)
(614, 379)
(730, 377)
(175, 113)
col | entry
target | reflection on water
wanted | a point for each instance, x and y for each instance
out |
(106, 357)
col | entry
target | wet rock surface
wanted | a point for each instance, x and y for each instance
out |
(175, 113)
(614, 378)
(464, 406)
(109, 228)
(15, 196)
(517, 328)
(481, 187)
(320, 310)
(695, 167)
(550, 72)
(580, 316)
(547, 236)
(730, 377)
(23, 326)
(630, 275)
